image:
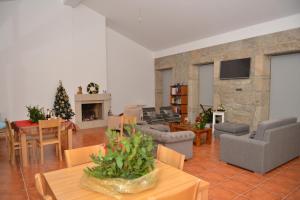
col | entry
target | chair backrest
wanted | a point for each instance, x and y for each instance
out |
(49, 124)
(129, 120)
(133, 111)
(270, 124)
(10, 132)
(117, 122)
(114, 122)
(40, 185)
(170, 157)
(82, 155)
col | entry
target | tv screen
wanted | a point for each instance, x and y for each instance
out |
(235, 69)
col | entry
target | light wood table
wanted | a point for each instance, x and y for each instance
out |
(191, 127)
(33, 130)
(64, 184)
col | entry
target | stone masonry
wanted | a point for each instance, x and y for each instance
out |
(245, 100)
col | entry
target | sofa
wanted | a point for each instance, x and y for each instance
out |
(274, 143)
(181, 141)
(169, 115)
(151, 117)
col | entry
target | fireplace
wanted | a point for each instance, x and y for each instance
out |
(91, 110)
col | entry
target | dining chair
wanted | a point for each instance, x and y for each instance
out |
(82, 155)
(128, 120)
(118, 122)
(40, 184)
(170, 157)
(14, 144)
(46, 126)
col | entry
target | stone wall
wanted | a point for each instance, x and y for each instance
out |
(246, 100)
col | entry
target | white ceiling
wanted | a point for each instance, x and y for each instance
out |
(160, 24)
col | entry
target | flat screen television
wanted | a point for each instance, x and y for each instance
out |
(235, 69)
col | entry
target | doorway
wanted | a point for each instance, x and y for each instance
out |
(206, 85)
(285, 86)
(166, 83)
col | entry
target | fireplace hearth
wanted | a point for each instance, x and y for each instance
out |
(92, 110)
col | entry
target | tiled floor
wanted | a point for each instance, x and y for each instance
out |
(227, 181)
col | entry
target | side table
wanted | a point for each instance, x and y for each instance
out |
(217, 113)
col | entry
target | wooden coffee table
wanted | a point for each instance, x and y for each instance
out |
(191, 127)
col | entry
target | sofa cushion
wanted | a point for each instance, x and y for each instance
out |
(160, 127)
(270, 124)
(232, 127)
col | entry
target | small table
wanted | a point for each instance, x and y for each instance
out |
(64, 184)
(198, 132)
(217, 113)
(25, 127)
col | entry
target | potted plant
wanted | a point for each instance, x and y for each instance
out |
(35, 113)
(126, 166)
(204, 118)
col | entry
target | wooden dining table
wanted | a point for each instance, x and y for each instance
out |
(64, 184)
(25, 128)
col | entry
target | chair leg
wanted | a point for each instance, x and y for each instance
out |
(59, 151)
(42, 154)
(33, 146)
(56, 150)
(13, 156)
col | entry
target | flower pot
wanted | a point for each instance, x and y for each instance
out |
(116, 186)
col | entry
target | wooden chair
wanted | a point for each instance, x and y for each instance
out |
(13, 143)
(118, 122)
(81, 155)
(40, 185)
(44, 139)
(170, 157)
(128, 120)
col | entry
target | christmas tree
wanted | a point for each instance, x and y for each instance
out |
(62, 107)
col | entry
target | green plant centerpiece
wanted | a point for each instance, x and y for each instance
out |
(126, 166)
(35, 113)
(205, 117)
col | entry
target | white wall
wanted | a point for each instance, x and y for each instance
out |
(285, 86)
(42, 42)
(130, 72)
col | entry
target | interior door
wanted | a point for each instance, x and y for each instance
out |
(285, 86)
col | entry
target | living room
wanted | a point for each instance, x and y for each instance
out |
(132, 53)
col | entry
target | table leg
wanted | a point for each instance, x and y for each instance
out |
(198, 139)
(70, 132)
(213, 122)
(209, 137)
(24, 150)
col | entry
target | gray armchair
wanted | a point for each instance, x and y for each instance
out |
(275, 143)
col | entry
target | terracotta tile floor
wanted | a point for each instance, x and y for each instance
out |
(227, 181)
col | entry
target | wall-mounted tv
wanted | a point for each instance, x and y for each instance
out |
(235, 69)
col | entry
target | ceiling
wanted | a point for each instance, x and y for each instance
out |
(160, 24)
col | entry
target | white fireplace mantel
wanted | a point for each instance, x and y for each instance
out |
(104, 99)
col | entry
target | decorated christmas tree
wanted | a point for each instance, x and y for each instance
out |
(62, 107)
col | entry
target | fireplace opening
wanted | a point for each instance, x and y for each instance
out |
(91, 111)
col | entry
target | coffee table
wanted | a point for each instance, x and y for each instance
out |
(191, 127)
